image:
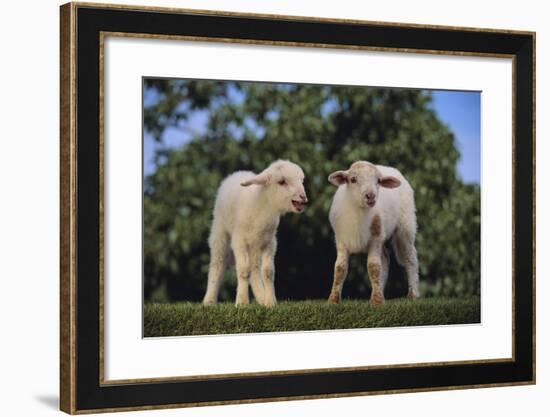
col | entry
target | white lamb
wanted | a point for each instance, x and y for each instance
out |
(246, 217)
(372, 205)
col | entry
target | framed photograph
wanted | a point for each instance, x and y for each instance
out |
(265, 208)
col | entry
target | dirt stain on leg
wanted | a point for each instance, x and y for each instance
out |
(377, 297)
(339, 274)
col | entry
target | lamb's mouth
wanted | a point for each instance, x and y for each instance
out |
(298, 205)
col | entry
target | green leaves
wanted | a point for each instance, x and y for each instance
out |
(323, 129)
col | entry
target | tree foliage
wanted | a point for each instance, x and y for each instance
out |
(322, 128)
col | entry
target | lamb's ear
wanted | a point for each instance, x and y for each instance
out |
(260, 179)
(389, 182)
(338, 178)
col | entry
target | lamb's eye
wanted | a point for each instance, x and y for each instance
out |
(282, 182)
(353, 180)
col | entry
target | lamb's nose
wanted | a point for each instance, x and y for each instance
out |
(369, 196)
(304, 198)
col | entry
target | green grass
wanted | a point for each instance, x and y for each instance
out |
(185, 318)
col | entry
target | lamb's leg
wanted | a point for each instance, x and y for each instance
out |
(242, 265)
(268, 273)
(219, 247)
(256, 282)
(376, 272)
(340, 273)
(412, 273)
(385, 257)
(403, 244)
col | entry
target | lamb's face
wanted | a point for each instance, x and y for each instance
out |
(363, 184)
(287, 187)
(284, 183)
(363, 180)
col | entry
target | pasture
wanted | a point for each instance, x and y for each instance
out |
(188, 318)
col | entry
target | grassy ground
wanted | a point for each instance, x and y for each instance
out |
(181, 319)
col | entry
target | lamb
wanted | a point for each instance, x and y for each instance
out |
(246, 217)
(373, 204)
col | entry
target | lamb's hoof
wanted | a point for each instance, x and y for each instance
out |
(333, 299)
(209, 302)
(376, 301)
(270, 303)
(413, 294)
(240, 303)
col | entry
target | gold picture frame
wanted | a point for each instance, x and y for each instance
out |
(80, 390)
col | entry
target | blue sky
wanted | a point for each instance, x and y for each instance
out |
(459, 110)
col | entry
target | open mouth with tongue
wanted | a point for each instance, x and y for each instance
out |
(298, 205)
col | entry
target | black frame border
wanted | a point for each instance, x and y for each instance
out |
(90, 395)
